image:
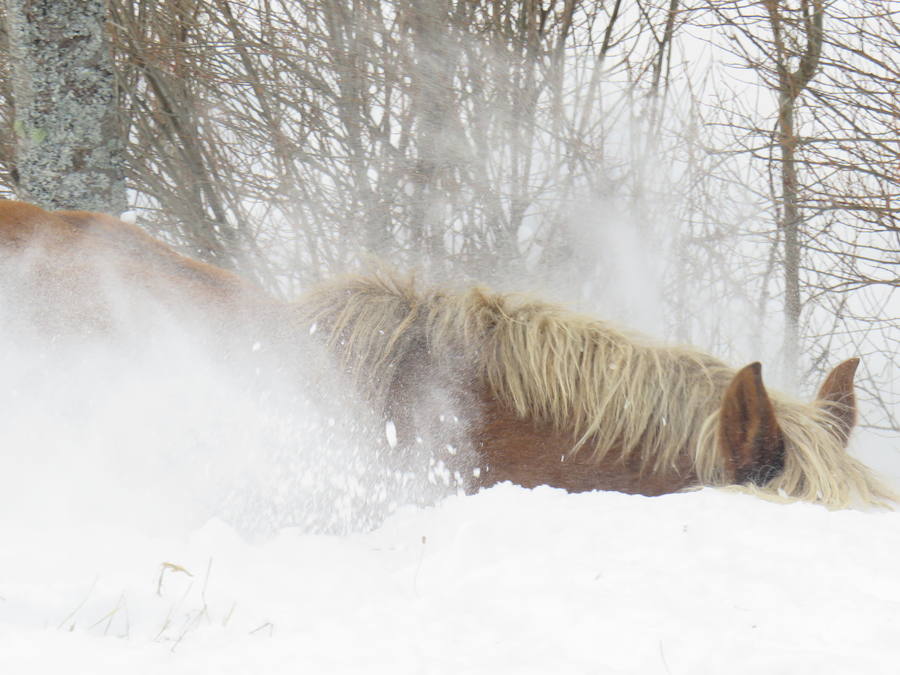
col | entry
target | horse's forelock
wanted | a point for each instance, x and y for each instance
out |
(818, 467)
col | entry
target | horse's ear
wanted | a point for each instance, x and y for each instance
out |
(750, 439)
(837, 397)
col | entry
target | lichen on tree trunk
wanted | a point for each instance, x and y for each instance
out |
(69, 151)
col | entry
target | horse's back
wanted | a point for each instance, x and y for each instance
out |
(77, 271)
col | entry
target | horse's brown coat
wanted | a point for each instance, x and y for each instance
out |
(529, 453)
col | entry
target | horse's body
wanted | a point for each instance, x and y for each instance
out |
(503, 388)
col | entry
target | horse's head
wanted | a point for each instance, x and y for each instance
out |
(750, 437)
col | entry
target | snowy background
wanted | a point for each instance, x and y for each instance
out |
(158, 515)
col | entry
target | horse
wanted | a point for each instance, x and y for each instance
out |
(500, 387)
(552, 397)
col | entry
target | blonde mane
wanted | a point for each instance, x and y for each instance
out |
(615, 392)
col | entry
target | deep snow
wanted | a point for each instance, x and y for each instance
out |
(159, 515)
(507, 581)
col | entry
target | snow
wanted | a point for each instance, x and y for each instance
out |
(158, 515)
(509, 580)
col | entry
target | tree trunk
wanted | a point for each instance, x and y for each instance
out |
(69, 151)
(791, 83)
(790, 226)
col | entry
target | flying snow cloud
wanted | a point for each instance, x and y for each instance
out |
(145, 421)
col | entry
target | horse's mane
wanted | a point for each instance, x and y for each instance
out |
(614, 391)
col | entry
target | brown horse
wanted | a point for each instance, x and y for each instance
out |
(565, 400)
(505, 388)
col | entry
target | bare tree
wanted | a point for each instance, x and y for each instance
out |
(429, 132)
(828, 145)
(796, 58)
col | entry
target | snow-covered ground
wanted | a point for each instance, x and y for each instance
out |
(142, 504)
(508, 581)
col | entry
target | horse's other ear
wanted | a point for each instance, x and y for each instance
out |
(750, 439)
(837, 397)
